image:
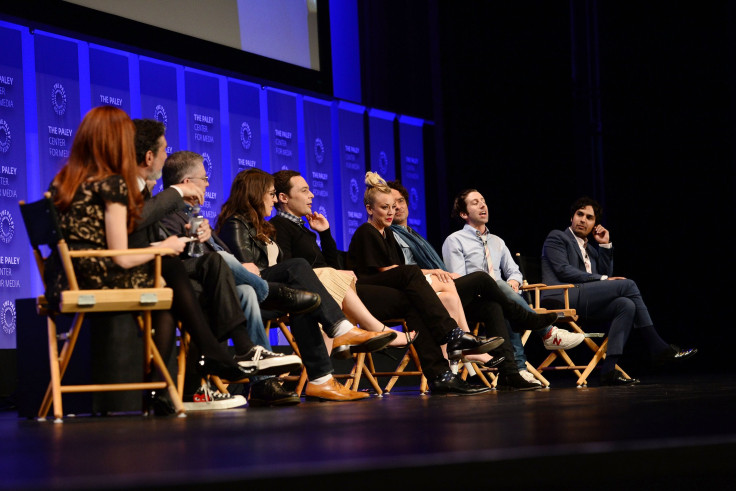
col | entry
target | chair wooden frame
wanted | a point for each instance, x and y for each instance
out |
(80, 302)
(359, 368)
(464, 372)
(400, 371)
(569, 316)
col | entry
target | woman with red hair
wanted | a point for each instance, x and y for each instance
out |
(98, 200)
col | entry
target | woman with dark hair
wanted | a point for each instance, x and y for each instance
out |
(376, 258)
(242, 226)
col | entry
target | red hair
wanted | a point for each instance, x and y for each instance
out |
(104, 145)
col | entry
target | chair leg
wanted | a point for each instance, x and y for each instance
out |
(181, 361)
(58, 364)
(600, 354)
(152, 352)
(537, 374)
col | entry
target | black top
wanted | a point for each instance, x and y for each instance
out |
(240, 237)
(297, 241)
(83, 225)
(370, 250)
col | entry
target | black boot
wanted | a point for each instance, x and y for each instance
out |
(284, 299)
(523, 319)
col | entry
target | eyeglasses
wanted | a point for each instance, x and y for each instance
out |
(205, 178)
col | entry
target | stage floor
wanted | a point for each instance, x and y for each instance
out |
(673, 431)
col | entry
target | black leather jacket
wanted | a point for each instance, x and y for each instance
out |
(240, 237)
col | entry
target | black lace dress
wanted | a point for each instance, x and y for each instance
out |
(83, 226)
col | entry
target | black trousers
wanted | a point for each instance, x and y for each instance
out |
(297, 273)
(390, 303)
(483, 301)
(186, 308)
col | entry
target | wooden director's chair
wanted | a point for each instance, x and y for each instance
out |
(400, 370)
(43, 228)
(469, 368)
(531, 269)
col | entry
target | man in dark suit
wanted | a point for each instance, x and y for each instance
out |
(210, 273)
(568, 257)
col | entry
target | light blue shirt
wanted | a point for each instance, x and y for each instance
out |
(463, 253)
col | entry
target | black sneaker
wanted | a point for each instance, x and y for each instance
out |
(265, 362)
(271, 392)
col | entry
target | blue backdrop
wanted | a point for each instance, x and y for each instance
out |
(48, 82)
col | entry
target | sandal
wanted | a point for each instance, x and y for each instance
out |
(409, 339)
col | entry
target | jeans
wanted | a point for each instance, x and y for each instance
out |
(244, 277)
(515, 337)
(252, 312)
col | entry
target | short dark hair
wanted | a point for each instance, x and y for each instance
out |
(586, 201)
(400, 188)
(282, 182)
(460, 206)
(178, 165)
(147, 135)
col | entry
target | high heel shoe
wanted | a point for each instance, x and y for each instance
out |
(409, 339)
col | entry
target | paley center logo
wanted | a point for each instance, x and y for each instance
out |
(58, 98)
(354, 190)
(414, 198)
(4, 136)
(207, 161)
(382, 163)
(8, 317)
(7, 227)
(319, 150)
(159, 114)
(246, 136)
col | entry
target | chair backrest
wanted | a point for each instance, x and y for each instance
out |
(531, 267)
(42, 225)
(42, 221)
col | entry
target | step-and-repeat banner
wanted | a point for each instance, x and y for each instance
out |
(48, 82)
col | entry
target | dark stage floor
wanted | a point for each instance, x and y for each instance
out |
(673, 432)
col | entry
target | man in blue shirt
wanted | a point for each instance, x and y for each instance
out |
(418, 251)
(474, 248)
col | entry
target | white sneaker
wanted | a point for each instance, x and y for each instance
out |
(562, 339)
(205, 399)
(527, 375)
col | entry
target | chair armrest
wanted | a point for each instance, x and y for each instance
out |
(121, 252)
(531, 286)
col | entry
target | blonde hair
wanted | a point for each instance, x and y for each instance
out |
(374, 184)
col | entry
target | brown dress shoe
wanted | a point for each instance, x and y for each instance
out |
(360, 341)
(333, 391)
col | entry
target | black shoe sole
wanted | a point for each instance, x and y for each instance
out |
(310, 309)
(478, 350)
(284, 401)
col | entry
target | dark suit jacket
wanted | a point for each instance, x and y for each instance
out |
(562, 261)
(148, 228)
(175, 223)
(297, 241)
